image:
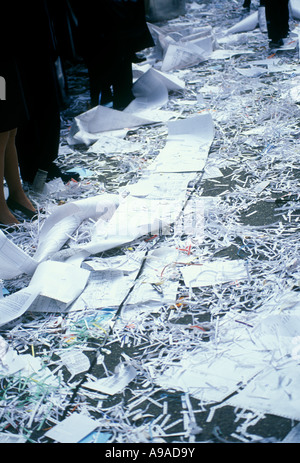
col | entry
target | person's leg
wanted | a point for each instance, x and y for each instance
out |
(122, 83)
(284, 15)
(95, 78)
(38, 137)
(274, 20)
(12, 176)
(6, 217)
(247, 4)
(99, 69)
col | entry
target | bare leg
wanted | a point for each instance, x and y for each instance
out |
(6, 217)
(11, 173)
(9, 170)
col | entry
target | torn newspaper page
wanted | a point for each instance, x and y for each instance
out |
(181, 56)
(156, 282)
(16, 304)
(109, 282)
(75, 361)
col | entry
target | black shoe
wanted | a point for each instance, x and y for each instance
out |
(55, 172)
(247, 4)
(14, 206)
(138, 58)
(28, 178)
(7, 229)
(276, 43)
(123, 103)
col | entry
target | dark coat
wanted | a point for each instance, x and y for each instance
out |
(13, 110)
(111, 26)
(32, 44)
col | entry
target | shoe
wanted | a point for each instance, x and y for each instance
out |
(106, 97)
(9, 228)
(138, 58)
(276, 43)
(15, 206)
(55, 172)
(122, 104)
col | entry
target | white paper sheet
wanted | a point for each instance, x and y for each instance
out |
(247, 24)
(273, 391)
(253, 71)
(180, 56)
(60, 281)
(158, 185)
(213, 273)
(8, 438)
(115, 383)
(110, 144)
(149, 92)
(88, 126)
(208, 379)
(295, 8)
(225, 54)
(15, 305)
(13, 261)
(154, 283)
(75, 361)
(65, 219)
(53, 287)
(187, 145)
(106, 288)
(72, 429)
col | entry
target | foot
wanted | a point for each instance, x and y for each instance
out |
(7, 218)
(276, 43)
(122, 104)
(138, 58)
(21, 198)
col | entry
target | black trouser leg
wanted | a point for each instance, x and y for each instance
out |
(122, 83)
(277, 16)
(247, 4)
(37, 139)
(37, 143)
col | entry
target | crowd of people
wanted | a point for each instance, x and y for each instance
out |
(39, 36)
(36, 38)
